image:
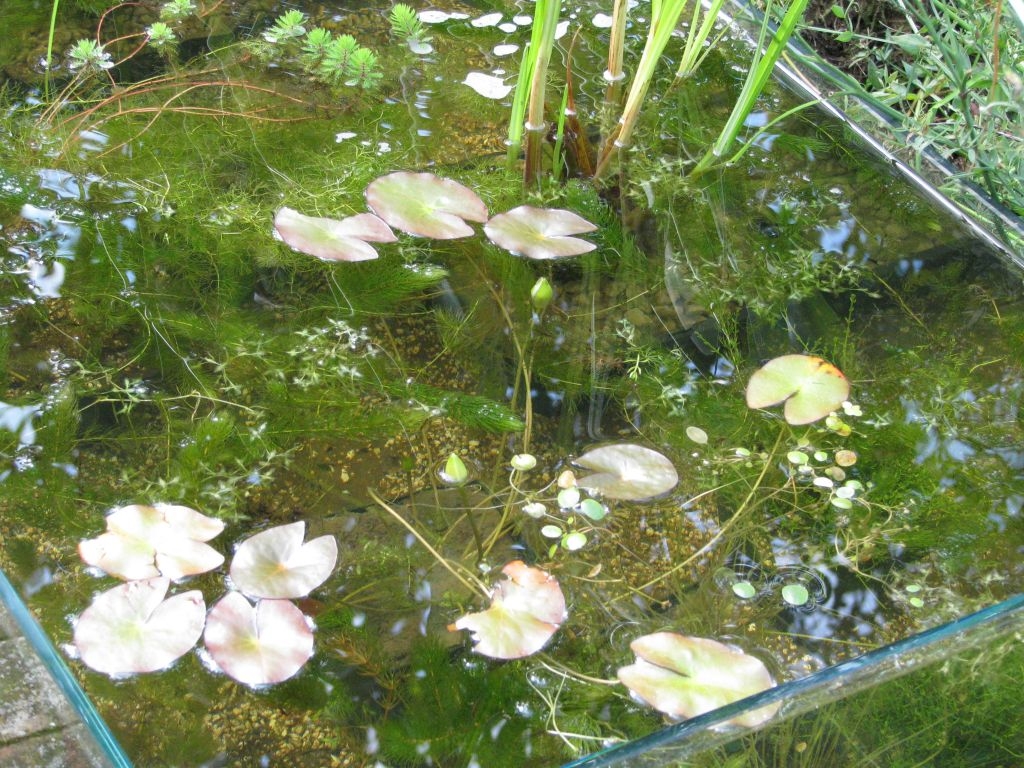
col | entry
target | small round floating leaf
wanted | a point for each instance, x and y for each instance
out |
(846, 458)
(795, 594)
(811, 387)
(426, 205)
(276, 564)
(628, 472)
(540, 233)
(131, 628)
(568, 498)
(698, 435)
(333, 239)
(258, 645)
(840, 503)
(575, 540)
(551, 531)
(593, 509)
(917, 602)
(526, 610)
(797, 457)
(688, 676)
(744, 590)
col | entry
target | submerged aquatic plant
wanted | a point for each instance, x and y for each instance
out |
(406, 24)
(526, 610)
(686, 676)
(88, 56)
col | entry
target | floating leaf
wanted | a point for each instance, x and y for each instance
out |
(333, 239)
(131, 628)
(795, 594)
(744, 590)
(627, 471)
(811, 387)
(260, 644)
(143, 542)
(540, 233)
(426, 205)
(687, 676)
(275, 563)
(526, 610)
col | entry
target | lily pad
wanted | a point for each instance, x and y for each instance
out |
(333, 239)
(540, 233)
(276, 564)
(628, 472)
(258, 645)
(686, 676)
(811, 387)
(526, 610)
(426, 205)
(143, 542)
(131, 628)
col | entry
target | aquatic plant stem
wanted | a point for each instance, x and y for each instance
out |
(49, 47)
(725, 527)
(545, 20)
(757, 78)
(470, 582)
(664, 17)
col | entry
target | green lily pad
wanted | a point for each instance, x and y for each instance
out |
(540, 233)
(810, 387)
(345, 239)
(685, 676)
(426, 205)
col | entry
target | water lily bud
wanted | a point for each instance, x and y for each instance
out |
(523, 462)
(535, 509)
(541, 294)
(455, 472)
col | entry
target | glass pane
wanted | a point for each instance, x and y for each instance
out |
(947, 697)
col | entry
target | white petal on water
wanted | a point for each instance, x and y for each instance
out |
(488, 86)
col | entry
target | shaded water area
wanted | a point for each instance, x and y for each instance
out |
(159, 345)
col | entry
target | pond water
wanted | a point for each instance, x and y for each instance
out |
(158, 344)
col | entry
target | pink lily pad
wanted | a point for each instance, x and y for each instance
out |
(143, 542)
(275, 563)
(627, 471)
(426, 205)
(540, 233)
(812, 388)
(687, 676)
(333, 239)
(131, 628)
(526, 610)
(258, 645)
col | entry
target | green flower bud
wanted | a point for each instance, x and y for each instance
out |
(455, 472)
(541, 294)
